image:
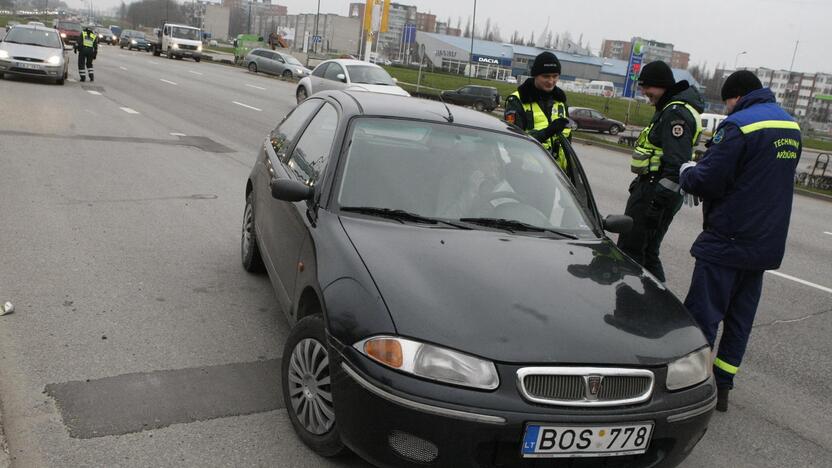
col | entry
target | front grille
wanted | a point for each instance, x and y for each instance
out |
(413, 448)
(27, 71)
(187, 47)
(28, 59)
(582, 386)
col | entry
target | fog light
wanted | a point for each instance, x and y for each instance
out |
(413, 448)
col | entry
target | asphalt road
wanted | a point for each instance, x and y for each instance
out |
(138, 339)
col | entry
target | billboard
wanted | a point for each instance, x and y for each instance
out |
(633, 68)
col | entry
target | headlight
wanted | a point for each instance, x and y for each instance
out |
(689, 370)
(63, 35)
(431, 362)
(300, 72)
(174, 46)
(132, 41)
(54, 60)
(199, 48)
(3, 54)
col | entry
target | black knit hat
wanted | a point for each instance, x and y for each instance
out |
(657, 74)
(546, 62)
(739, 84)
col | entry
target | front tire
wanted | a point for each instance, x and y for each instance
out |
(197, 59)
(307, 387)
(252, 67)
(301, 94)
(249, 251)
(614, 130)
(479, 106)
(287, 74)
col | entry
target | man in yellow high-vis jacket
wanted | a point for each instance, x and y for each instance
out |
(663, 146)
(539, 108)
(87, 50)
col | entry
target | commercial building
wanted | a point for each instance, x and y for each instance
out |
(426, 22)
(800, 94)
(653, 50)
(339, 34)
(390, 42)
(615, 49)
(216, 20)
(680, 59)
(497, 61)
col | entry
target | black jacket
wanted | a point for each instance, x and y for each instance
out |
(529, 94)
(674, 127)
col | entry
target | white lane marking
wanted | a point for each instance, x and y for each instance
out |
(96, 93)
(247, 106)
(168, 82)
(798, 280)
(71, 80)
(129, 110)
(177, 134)
(830, 233)
(194, 72)
(255, 87)
(123, 68)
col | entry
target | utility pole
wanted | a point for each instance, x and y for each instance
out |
(315, 34)
(471, 54)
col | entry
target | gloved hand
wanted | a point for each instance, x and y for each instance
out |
(557, 125)
(690, 199)
(686, 166)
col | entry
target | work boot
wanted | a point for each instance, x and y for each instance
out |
(83, 79)
(92, 78)
(722, 399)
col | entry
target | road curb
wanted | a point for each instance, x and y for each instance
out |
(5, 459)
(810, 194)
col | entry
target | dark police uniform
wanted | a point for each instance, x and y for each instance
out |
(746, 181)
(87, 50)
(662, 148)
(533, 111)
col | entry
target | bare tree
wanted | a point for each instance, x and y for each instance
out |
(467, 32)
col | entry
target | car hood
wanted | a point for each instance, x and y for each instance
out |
(383, 89)
(522, 299)
(23, 50)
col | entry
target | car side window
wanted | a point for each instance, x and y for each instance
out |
(320, 70)
(333, 71)
(597, 115)
(312, 151)
(288, 130)
(465, 90)
(278, 57)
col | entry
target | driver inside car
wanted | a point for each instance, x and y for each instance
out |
(471, 175)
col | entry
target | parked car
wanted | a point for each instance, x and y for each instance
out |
(34, 51)
(348, 74)
(70, 31)
(454, 299)
(591, 119)
(275, 63)
(105, 36)
(511, 80)
(134, 40)
(485, 98)
(11, 24)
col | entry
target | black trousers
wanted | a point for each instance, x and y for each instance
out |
(85, 64)
(643, 243)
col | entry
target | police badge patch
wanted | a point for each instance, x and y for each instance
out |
(718, 136)
(678, 130)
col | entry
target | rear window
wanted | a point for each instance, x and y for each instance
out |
(69, 26)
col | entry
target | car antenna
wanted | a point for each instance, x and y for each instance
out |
(450, 117)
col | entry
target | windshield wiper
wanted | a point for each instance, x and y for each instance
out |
(399, 215)
(32, 43)
(513, 225)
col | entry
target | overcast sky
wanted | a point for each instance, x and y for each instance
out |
(712, 31)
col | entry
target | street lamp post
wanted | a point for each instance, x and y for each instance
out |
(315, 35)
(471, 54)
(737, 58)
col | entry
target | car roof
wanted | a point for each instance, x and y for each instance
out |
(34, 26)
(351, 62)
(388, 105)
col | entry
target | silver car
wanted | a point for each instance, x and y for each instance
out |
(275, 63)
(36, 51)
(341, 74)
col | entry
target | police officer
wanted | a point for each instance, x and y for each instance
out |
(746, 180)
(662, 147)
(87, 50)
(539, 107)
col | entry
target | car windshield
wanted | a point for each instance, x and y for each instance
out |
(70, 26)
(137, 35)
(186, 33)
(35, 37)
(369, 75)
(291, 60)
(450, 172)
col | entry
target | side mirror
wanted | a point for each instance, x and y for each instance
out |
(341, 77)
(291, 190)
(395, 80)
(619, 224)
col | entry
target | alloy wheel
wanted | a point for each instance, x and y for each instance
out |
(310, 389)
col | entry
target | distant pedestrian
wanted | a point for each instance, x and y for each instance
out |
(662, 147)
(746, 180)
(273, 40)
(87, 50)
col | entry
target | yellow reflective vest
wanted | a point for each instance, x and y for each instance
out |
(541, 121)
(88, 39)
(647, 157)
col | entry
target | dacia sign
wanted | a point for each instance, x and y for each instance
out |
(487, 60)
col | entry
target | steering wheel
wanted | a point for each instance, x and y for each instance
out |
(519, 209)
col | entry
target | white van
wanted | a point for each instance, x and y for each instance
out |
(710, 122)
(600, 88)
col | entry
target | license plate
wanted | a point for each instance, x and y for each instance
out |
(543, 441)
(29, 66)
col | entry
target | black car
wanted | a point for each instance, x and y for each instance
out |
(479, 97)
(591, 119)
(454, 300)
(133, 40)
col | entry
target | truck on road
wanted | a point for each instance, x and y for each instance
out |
(177, 41)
